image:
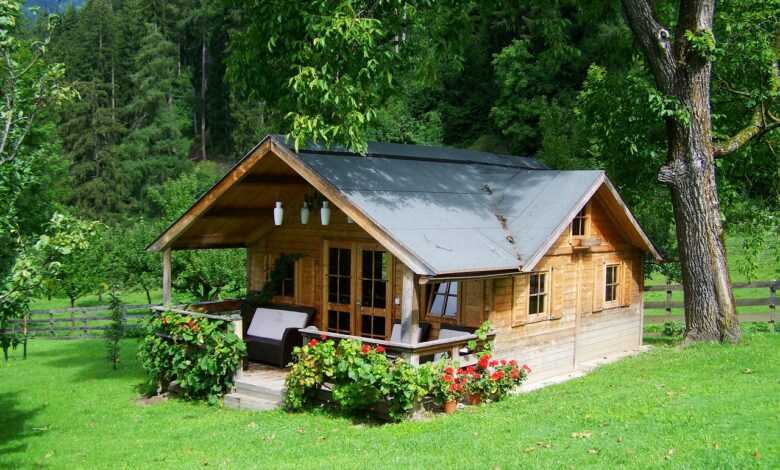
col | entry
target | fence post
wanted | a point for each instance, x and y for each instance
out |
(668, 298)
(86, 325)
(51, 323)
(772, 304)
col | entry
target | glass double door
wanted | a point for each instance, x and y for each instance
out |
(358, 289)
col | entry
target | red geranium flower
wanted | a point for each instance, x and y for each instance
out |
(513, 362)
(448, 378)
(313, 342)
(380, 349)
(498, 375)
(483, 363)
(515, 374)
(366, 349)
(323, 337)
(477, 375)
(527, 369)
(493, 363)
(503, 362)
(449, 371)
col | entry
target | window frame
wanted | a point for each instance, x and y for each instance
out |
(584, 217)
(544, 294)
(443, 317)
(279, 296)
(616, 285)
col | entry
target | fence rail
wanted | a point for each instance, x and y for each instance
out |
(67, 323)
(668, 304)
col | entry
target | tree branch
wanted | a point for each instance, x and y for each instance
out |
(758, 127)
(654, 38)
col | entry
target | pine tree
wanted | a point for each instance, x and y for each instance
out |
(157, 145)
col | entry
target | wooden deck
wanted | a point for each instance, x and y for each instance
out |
(260, 387)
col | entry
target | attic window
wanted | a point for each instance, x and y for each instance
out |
(580, 222)
(444, 300)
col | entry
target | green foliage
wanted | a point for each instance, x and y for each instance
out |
(363, 380)
(333, 62)
(37, 267)
(673, 329)
(200, 354)
(116, 329)
(702, 43)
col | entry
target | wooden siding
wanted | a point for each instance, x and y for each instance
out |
(577, 325)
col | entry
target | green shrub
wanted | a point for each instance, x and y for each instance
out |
(362, 379)
(200, 354)
(674, 328)
(757, 327)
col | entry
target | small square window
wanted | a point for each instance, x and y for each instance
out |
(286, 287)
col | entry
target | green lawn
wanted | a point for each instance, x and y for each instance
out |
(708, 406)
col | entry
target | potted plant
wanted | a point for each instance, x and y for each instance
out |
(447, 389)
(490, 379)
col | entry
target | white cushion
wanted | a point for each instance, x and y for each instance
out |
(271, 323)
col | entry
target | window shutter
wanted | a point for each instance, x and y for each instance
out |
(520, 299)
(599, 274)
(626, 282)
(555, 293)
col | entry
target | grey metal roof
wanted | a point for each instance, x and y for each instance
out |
(457, 211)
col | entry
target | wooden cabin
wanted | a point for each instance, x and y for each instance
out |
(437, 235)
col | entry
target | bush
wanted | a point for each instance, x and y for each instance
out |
(200, 354)
(757, 327)
(362, 379)
(674, 328)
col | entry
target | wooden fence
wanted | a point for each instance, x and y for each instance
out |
(77, 322)
(765, 316)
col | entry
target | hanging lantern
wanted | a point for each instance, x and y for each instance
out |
(325, 213)
(278, 213)
(305, 213)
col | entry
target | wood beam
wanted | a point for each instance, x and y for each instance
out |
(272, 180)
(166, 260)
(238, 212)
(410, 312)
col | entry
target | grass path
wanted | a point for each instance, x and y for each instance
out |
(707, 406)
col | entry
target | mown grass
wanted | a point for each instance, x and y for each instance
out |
(707, 406)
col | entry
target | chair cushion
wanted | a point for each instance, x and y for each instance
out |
(271, 323)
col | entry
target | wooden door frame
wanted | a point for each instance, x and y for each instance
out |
(326, 304)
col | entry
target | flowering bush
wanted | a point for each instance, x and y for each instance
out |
(362, 379)
(447, 384)
(200, 354)
(492, 379)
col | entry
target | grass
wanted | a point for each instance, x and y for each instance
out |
(705, 406)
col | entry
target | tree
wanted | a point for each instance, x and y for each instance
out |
(681, 63)
(116, 329)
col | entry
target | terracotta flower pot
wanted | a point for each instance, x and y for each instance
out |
(450, 406)
(475, 399)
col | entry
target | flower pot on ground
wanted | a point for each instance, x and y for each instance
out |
(490, 379)
(450, 406)
(475, 399)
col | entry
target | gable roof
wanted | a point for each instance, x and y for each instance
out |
(446, 211)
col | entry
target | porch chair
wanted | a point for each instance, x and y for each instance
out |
(271, 331)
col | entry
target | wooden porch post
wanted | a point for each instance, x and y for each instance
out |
(166, 259)
(410, 312)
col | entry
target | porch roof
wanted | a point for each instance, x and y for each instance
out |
(448, 210)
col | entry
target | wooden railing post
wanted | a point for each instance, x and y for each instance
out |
(410, 312)
(166, 260)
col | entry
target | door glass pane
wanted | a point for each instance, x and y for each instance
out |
(333, 283)
(365, 325)
(345, 261)
(368, 264)
(345, 291)
(333, 261)
(380, 288)
(365, 297)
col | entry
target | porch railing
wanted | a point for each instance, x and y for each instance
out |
(456, 347)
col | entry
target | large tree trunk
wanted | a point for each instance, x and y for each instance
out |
(680, 72)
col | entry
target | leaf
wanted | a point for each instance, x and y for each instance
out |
(582, 435)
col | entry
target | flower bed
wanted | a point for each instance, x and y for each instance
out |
(200, 354)
(363, 380)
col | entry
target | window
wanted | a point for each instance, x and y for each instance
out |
(444, 300)
(374, 276)
(580, 222)
(611, 283)
(340, 276)
(537, 293)
(286, 287)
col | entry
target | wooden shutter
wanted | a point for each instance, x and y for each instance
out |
(555, 293)
(599, 274)
(305, 284)
(626, 280)
(520, 299)
(472, 302)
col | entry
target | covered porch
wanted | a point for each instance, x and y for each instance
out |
(357, 281)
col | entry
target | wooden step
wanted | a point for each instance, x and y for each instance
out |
(259, 390)
(240, 401)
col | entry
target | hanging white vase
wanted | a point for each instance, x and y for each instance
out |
(278, 213)
(325, 213)
(305, 213)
